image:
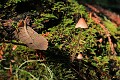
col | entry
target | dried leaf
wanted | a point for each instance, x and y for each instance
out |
(31, 38)
(12, 61)
(10, 71)
(1, 52)
(1, 57)
(46, 34)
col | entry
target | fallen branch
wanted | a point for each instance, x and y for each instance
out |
(112, 16)
(6, 41)
(97, 21)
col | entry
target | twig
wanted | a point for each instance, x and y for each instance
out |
(13, 42)
(97, 21)
(112, 16)
(92, 7)
(81, 76)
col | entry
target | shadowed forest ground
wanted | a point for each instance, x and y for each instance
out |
(39, 40)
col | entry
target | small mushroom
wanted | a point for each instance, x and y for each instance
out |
(79, 57)
(100, 40)
(81, 23)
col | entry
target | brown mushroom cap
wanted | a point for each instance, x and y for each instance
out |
(81, 23)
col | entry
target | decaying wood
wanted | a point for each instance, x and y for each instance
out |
(99, 22)
(111, 15)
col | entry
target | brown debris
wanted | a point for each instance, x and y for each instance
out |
(2, 48)
(99, 22)
(112, 16)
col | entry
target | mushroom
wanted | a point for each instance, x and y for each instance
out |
(81, 23)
